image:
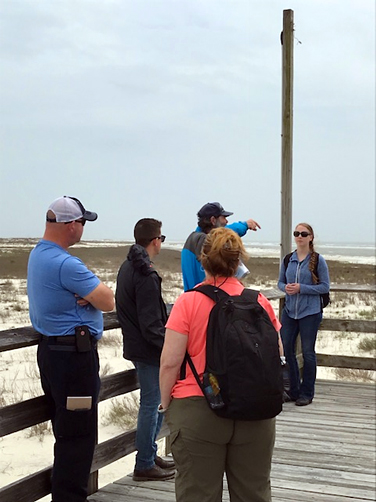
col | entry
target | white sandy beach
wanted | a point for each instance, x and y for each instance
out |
(23, 453)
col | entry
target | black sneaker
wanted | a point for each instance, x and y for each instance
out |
(156, 473)
(303, 401)
(287, 398)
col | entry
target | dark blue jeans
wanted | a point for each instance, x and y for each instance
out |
(149, 421)
(307, 327)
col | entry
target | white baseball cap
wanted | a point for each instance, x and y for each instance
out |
(68, 209)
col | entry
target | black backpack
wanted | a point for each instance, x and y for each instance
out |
(324, 297)
(243, 375)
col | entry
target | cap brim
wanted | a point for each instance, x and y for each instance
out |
(226, 213)
(90, 216)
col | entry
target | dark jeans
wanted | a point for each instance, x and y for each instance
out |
(149, 421)
(65, 372)
(307, 327)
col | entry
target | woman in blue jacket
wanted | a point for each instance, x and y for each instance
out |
(303, 280)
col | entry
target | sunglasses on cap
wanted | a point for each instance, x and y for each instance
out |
(79, 204)
(303, 234)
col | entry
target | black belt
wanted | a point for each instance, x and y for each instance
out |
(64, 342)
(60, 340)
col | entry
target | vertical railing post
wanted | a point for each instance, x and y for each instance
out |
(287, 41)
(93, 485)
(287, 38)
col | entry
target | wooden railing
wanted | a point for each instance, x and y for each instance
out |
(27, 413)
(345, 326)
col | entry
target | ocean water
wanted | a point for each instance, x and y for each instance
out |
(352, 253)
(362, 253)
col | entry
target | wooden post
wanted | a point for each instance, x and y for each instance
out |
(93, 483)
(287, 41)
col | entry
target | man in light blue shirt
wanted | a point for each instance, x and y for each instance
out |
(66, 301)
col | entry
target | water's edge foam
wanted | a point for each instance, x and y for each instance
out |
(362, 253)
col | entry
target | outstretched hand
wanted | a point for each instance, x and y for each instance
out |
(253, 225)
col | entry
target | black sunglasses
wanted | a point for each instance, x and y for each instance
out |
(303, 234)
(79, 203)
(82, 221)
(162, 237)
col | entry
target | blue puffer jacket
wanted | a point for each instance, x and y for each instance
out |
(307, 302)
(193, 273)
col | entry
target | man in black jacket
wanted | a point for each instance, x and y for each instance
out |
(142, 315)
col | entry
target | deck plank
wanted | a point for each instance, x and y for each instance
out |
(324, 452)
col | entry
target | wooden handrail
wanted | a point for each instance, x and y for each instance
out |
(348, 325)
(27, 413)
(37, 485)
(18, 416)
(26, 336)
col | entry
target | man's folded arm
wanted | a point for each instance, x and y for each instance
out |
(102, 298)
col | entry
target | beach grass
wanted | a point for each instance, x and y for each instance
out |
(263, 270)
(122, 412)
(20, 378)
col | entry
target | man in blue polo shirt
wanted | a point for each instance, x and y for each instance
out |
(66, 301)
(210, 216)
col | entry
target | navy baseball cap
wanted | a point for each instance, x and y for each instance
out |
(213, 209)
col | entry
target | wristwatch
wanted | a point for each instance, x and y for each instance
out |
(161, 409)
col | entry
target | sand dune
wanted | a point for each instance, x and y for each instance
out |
(19, 377)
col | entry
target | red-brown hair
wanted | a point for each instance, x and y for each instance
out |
(222, 251)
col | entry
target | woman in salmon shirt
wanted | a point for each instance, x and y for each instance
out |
(204, 445)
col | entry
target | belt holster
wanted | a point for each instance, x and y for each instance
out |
(83, 338)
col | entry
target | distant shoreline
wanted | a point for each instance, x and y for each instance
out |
(357, 253)
(106, 260)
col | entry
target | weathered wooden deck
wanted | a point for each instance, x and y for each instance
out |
(324, 452)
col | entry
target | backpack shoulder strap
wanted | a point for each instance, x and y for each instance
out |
(250, 295)
(213, 292)
(216, 294)
(286, 260)
(187, 359)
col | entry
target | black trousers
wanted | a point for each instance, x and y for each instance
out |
(65, 372)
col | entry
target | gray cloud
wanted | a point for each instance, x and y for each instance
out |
(152, 108)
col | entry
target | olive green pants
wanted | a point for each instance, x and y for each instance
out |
(206, 446)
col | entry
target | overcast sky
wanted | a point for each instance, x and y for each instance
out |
(148, 108)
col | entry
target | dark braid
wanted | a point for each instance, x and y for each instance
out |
(314, 256)
(312, 264)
